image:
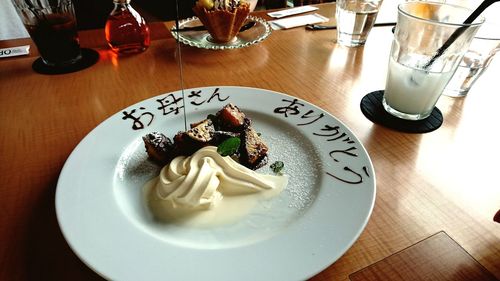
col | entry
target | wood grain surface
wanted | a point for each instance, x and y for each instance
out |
(435, 258)
(426, 183)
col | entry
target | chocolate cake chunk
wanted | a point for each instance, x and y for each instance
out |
(231, 118)
(185, 145)
(159, 147)
(220, 136)
(254, 150)
(202, 132)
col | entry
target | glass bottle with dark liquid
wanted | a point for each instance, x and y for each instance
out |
(126, 30)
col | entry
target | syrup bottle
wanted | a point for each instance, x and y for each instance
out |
(126, 30)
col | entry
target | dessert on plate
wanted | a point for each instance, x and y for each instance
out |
(215, 159)
(222, 18)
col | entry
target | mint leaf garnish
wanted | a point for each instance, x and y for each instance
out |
(277, 167)
(229, 146)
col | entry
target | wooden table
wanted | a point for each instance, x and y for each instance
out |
(426, 183)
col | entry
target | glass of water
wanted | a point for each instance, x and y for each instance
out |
(476, 60)
(355, 19)
(419, 67)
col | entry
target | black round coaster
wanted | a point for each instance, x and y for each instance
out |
(89, 58)
(372, 108)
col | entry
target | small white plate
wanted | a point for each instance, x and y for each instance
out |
(103, 215)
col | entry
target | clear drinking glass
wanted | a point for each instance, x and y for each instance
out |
(52, 27)
(476, 60)
(355, 19)
(419, 67)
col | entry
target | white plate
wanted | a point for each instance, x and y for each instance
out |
(328, 201)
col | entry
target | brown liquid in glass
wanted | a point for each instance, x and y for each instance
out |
(56, 39)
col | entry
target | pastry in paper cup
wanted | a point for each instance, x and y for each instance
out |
(222, 18)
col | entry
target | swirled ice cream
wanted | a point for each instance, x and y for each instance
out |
(206, 180)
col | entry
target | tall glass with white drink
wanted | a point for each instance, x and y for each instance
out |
(418, 71)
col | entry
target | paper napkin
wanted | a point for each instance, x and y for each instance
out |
(293, 11)
(297, 21)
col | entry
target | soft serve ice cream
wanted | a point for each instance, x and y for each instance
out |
(198, 181)
(207, 188)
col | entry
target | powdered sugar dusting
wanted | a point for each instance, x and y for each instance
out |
(302, 166)
(134, 165)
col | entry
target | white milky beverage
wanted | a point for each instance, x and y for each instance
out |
(354, 22)
(413, 91)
